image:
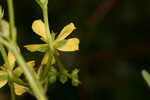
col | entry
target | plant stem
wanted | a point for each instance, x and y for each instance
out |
(9, 70)
(20, 82)
(46, 69)
(4, 55)
(11, 85)
(60, 65)
(29, 73)
(31, 76)
(49, 38)
(50, 41)
(11, 19)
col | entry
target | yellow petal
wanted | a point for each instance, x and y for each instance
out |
(18, 71)
(11, 59)
(39, 28)
(19, 89)
(34, 47)
(3, 82)
(66, 31)
(71, 45)
(45, 59)
(31, 63)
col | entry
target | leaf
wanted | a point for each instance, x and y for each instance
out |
(146, 77)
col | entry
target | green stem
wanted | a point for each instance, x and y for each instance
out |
(4, 55)
(20, 82)
(47, 67)
(31, 76)
(60, 65)
(11, 85)
(9, 69)
(29, 73)
(49, 38)
(11, 19)
(50, 41)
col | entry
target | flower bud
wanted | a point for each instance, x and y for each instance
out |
(74, 75)
(53, 75)
(64, 76)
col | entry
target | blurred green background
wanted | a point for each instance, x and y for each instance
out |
(114, 48)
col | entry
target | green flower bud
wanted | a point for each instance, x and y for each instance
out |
(64, 76)
(53, 75)
(74, 76)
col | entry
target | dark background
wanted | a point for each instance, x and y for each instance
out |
(114, 48)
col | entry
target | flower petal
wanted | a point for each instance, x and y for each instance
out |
(31, 63)
(2, 83)
(39, 28)
(45, 59)
(19, 89)
(66, 31)
(3, 78)
(11, 59)
(18, 71)
(34, 47)
(71, 45)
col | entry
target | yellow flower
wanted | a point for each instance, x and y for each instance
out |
(71, 44)
(19, 89)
